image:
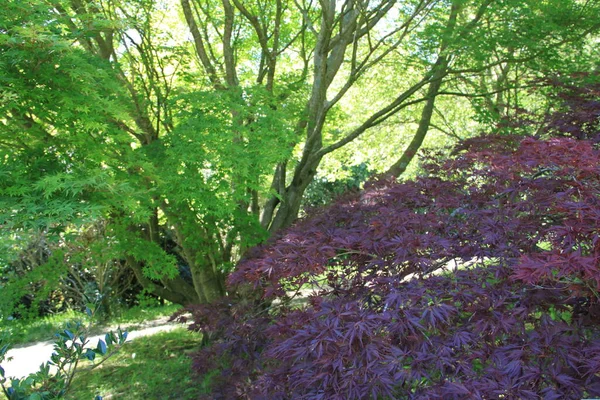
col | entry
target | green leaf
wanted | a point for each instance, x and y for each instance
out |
(69, 334)
(122, 336)
(101, 348)
(89, 354)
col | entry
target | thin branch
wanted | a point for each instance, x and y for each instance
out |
(377, 118)
(199, 44)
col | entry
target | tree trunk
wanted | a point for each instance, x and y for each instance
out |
(292, 198)
(207, 283)
(181, 292)
(439, 70)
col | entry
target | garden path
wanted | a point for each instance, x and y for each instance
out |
(26, 359)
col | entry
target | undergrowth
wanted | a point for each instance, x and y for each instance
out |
(152, 367)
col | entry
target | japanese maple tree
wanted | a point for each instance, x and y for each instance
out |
(479, 279)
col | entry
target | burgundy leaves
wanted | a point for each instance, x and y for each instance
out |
(580, 116)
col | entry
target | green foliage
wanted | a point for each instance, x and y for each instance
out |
(323, 191)
(55, 272)
(54, 377)
(61, 153)
(152, 367)
(57, 142)
(38, 329)
(222, 149)
(58, 148)
(42, 328)
(81, 144)
(29, 281)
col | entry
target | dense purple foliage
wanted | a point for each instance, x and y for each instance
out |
(580, 116)
(518, 320)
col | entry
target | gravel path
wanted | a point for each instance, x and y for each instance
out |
(28, 358)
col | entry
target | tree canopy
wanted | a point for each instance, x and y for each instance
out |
(191, 133)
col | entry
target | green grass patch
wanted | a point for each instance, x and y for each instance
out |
(38, 330)
(43, 329)
(138, 315)
(152, 367)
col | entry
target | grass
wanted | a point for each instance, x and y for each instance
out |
(152, 367)
(138, 315)
(43, 329)
(20, 332)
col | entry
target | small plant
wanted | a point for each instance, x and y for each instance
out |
(54, 377)
(151, 367)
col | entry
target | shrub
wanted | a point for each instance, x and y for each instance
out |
(580, 113)
(52, 275)
(54, 377)
(322, 190)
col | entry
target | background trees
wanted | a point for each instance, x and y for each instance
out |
(192, 134)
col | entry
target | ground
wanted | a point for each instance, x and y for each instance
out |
(27, 358)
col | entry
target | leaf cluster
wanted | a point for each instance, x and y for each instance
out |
(579, 116)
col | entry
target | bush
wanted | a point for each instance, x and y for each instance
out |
(580, 114)
(55, 376)
(49, 276)
(322, 191)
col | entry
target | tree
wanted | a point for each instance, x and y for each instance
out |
(193, 152)
(56, 142)
(498, 71)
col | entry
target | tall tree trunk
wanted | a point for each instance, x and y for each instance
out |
(207, 283)
(438, 72)
(400, 166)
(292, 197)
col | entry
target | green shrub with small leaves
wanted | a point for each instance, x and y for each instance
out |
(54, 377)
